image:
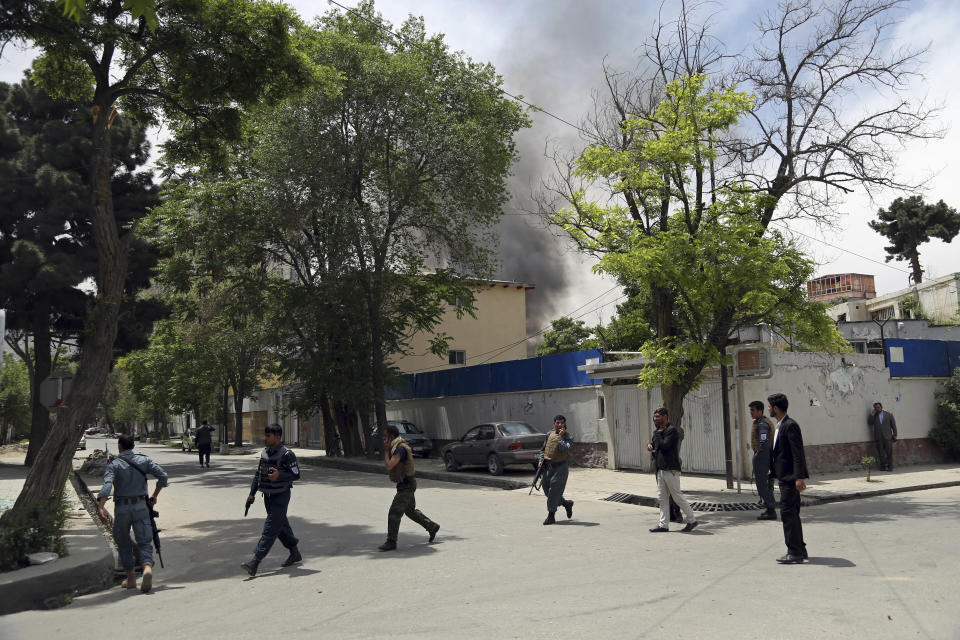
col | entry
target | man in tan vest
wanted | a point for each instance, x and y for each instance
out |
(399, 460)
(556, 450)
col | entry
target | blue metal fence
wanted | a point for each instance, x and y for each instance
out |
(546, 372)
(922, 358)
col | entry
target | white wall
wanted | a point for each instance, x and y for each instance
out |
(450, 417)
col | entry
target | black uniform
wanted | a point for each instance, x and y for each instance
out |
(276, 497)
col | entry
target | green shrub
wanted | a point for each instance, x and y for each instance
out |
(42, 530)
(946, 433)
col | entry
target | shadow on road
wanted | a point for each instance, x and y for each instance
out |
(837, 563)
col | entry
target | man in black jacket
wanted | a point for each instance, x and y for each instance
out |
(789, 466)
(665, 447)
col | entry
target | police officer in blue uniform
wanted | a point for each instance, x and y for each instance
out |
(131, 508)
(276, 472)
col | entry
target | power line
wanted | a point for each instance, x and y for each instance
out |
(800, 233)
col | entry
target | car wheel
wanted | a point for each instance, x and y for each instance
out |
(450, 462)
(494, 466)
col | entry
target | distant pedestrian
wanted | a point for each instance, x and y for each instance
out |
(204, 440)
(761, 438)
(398, 458)
(665, 446)
(884, 430)
(126, 477)
(789, 465)
(556, 450)
(276, 472)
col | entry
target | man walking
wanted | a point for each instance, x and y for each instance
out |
(884, 427)
(204, 442)
(276, 473)
(126, 476)
(760, 439)
(788, 465)
(665, 448)
(398, 458)
(556, 450)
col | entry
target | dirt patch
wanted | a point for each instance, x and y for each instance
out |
(13, 450)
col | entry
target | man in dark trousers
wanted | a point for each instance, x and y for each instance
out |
(884, 428)
(760, 439)
(276, 473)
(126, 477)
(398, 457)
(204, 442)
(666, 450)
(556, 450)
(789, 466)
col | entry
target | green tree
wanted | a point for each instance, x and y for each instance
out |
(699, 254)
(14, 399)
(47, 250)
(909, 222)
(946, 431)
(194, 67)
(564, 336)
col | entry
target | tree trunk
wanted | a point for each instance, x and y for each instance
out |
(48, 475)
(39, 414)
(330, 438)
(915, 265)
(238, 415)
(225, 412)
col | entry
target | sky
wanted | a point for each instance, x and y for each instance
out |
(551, 52)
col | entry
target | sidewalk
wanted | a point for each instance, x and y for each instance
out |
(705, 492)
(89, 565)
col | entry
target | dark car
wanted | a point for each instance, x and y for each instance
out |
(495, 445)
(419, 443)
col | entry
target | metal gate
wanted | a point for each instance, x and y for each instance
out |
(702, 449)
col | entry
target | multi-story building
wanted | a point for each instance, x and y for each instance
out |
(849, 286)
(937, 301)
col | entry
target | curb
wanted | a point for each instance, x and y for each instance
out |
(862, 495)
(87, 567)
(442, 476)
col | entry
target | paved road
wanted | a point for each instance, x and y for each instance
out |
(880, 568)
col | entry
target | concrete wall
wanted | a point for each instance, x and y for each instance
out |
(448, 418)
(830, 397)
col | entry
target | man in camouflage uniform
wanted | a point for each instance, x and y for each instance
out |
(761, 440)
(556, 450)
(398, 457)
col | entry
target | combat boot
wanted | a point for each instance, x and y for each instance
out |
(551, 519)
(251, 565)
(293, 558)
(389, 545)
(568, 505)
(131, 581)
(433, 532)
(147, 581)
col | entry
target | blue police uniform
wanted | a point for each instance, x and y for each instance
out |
(276, 497)
(130, 509)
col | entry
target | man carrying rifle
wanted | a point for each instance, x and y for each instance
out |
(556, 450)
(126, 477)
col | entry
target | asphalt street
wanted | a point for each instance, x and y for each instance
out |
(879, 568)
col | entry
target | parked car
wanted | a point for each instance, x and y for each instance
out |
(92, 431)
(419, 443)
(495, 445)
(82, 445)
(189, 440)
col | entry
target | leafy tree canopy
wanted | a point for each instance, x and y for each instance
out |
(909, 222)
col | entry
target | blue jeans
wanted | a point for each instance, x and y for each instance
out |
(276, 525)
(137, 516)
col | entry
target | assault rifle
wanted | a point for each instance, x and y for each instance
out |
(538, 477)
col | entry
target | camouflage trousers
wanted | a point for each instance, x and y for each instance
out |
(405, 504)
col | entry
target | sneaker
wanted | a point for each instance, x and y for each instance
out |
(433, 532)
(389, 545)
(690, 527)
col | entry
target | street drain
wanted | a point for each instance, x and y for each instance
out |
(645, 501)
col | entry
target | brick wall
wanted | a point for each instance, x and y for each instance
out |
(846, 456)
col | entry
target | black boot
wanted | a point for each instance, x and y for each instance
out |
(293, 558)
(550, 519)
(433, 532)
(568, 505)
(251, 565)
(389, 545)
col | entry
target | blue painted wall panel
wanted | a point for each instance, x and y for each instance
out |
(402, 391)
(515, 375)
(560, 370)
(953, 354)
(469, 380)
(921, 358)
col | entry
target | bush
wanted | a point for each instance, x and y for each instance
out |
(42, 531)
(946, 433)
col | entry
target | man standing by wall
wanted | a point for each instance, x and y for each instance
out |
(789, 465)
(665, 447)
(126, 477)
(204, 442)
(760, 439)
(276, 472)
(884, 427)
(398, 457)
(556, 450)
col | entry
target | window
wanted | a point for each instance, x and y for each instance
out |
(882, 314)
(486, 432)
(458, 356)
(875, 347)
